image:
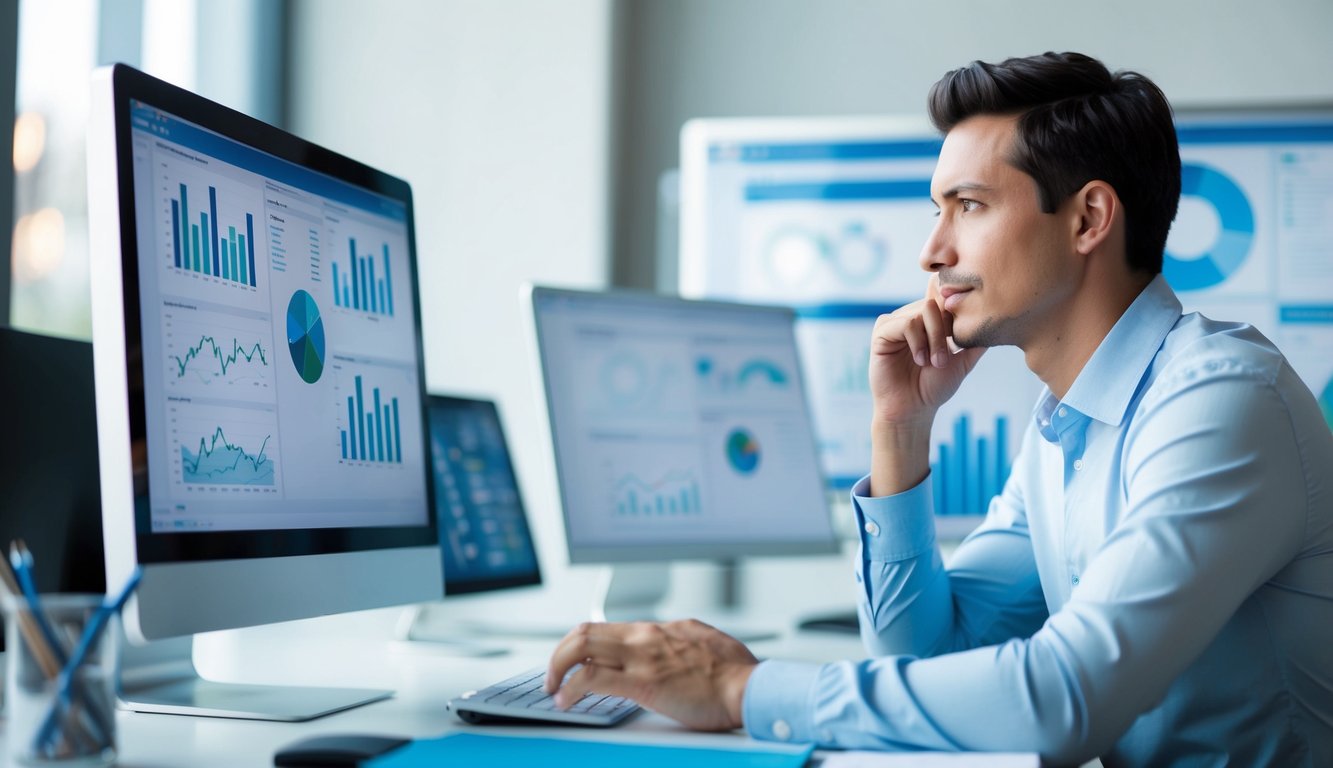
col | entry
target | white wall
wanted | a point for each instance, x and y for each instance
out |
(498, 115)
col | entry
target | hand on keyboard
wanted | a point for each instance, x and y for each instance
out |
(686, 670)
(522, 698)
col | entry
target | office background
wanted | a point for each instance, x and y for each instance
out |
(535, 135)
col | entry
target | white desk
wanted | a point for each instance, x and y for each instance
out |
(356, 651)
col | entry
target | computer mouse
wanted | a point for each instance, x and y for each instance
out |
(347, 749)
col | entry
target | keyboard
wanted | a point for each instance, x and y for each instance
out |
(521, 699)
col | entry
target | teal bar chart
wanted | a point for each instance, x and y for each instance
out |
(199, 246)
(970, 469)
(674, 494)
(372, 432)
(356, 286)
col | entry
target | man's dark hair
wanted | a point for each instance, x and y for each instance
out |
(1079, 122)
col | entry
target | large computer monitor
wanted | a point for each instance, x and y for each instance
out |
(680, 428)
(259, 372)
(829, 215)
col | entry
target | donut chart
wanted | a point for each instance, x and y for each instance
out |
(1235, 236)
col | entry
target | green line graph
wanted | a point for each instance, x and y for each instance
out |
(223, 358)
(219, 462)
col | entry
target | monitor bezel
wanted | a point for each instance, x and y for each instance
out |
(128, 86)
(712, 550)
(529, 579)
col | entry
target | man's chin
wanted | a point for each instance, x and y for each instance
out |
(986, 334)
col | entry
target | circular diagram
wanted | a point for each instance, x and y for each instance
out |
(1235, 235)
(742, 451)
(305, 336)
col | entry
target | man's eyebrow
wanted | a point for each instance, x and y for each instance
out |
(967, 186)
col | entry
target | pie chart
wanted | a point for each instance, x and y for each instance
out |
(1235, 233)
(742, 451)
(305, 336)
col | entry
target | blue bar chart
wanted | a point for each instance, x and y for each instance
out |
(372, 432)
(674, 494)
(970, 469)
(356, 286)
(200, 244)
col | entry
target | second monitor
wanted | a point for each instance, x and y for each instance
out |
(680, 429)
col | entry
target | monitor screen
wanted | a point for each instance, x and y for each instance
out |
(259, 362)
(680, 428)
(829, 215)
(484, 533)
(48, 461)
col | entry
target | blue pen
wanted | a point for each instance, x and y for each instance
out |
(92, 633)
(21, 559)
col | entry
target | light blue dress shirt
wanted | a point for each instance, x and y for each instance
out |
(1154, 585)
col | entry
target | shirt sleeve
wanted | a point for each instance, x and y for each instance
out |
(910, 604)
(1209, 469)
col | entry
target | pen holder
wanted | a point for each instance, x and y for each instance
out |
(60, 714)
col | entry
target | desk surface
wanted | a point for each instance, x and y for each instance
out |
(424, 680)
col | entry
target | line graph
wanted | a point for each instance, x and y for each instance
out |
(218, 461)
(214, 354)
(224, 359)
(676, 492)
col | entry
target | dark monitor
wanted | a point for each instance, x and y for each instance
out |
(49, 493)
(484, 534)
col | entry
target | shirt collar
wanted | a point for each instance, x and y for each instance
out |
(1106, 385)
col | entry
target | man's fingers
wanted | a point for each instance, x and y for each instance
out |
(937, 334)
(587, 679)
(601, 642)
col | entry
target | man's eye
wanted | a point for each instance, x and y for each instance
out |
(969, 205)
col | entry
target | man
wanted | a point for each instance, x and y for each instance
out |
(1154, 585)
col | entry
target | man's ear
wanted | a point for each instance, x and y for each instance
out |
(1098, 210)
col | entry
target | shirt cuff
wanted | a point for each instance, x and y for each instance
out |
(897, 527)
(777, 704)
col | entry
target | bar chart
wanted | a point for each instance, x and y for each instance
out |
(970, 469)
(201, 243)
(372, 433)
(675, 493)
(356, 285)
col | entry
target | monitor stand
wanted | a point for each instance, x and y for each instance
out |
(634, 592)
(421, 628)
(161, 677)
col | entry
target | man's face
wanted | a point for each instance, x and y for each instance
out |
(1003, 265)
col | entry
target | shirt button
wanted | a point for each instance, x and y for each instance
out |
(1078, 464)
(1062, 413)
(781, 730)
(1074, 579)
(872, 528)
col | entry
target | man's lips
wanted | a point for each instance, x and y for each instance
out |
(950, 296)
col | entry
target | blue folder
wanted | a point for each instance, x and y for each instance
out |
(467, 749)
